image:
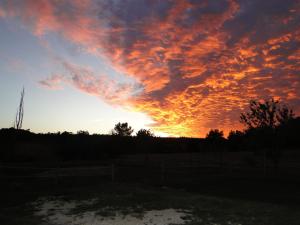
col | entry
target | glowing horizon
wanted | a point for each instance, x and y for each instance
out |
(177, 67)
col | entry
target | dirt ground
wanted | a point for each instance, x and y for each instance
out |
(139, 204)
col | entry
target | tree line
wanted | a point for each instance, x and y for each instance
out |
(270, 128)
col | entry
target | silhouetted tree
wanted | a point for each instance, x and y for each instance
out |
(285, 115)
(20, 112)
(266, 114)
(263, 120)
(66, 133)
(288, 134)
(235, 139)
(144, 133)
(235, 134)
(215, 135)
(122, 129)
(216, 140)
(82, 132)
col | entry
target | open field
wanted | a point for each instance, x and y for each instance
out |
(123, 203)
(149, 189)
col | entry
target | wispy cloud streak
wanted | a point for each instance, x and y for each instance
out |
(88, 81)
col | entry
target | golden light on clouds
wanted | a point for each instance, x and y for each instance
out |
(196, 63)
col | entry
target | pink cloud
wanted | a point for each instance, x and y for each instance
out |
(53, 83)
(86, 80)
(2, 13)
(199, 62)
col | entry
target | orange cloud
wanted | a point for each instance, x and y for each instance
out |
(196, 63)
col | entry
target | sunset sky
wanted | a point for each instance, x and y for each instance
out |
(177, 67)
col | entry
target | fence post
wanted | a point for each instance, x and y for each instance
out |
(112, 172)
(265, 162)
(2, 170)
(162, 167)
(57, 175)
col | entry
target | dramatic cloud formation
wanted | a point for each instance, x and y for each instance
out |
(198, 62)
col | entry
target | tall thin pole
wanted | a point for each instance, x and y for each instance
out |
(20, 112)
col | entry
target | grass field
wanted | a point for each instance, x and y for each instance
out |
(123, 203)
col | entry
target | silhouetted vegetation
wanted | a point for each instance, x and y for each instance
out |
(236, 140)
(122, 129)
(267, 114)
(82, 132)
(143, 133)
(215, 135)
(271, 129)
(215, 140)
(66, 146)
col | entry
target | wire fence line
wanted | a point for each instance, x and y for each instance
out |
(8, 171)
(49, 168)
(161, 172)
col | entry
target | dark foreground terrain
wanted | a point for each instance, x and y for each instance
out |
(209, 201)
